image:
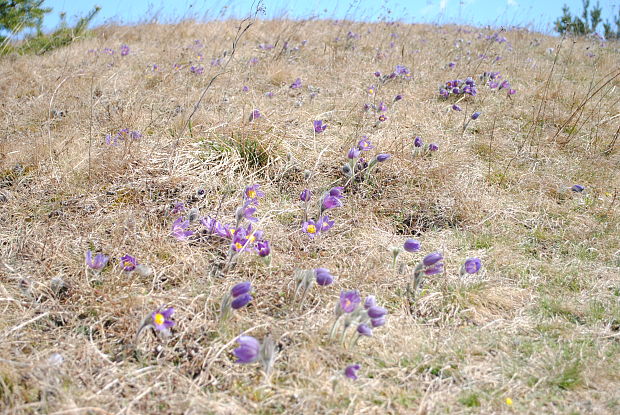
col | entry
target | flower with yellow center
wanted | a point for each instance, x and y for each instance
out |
(311, 229)
(159, 319)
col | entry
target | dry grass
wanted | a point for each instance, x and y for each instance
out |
(540, 325)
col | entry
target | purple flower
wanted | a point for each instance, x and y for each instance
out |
(353, 153)
(323, 277)
(434, 269)
(241, 288)
(402, 70)
(377, 74)
(319, 127)
(472, 265)
(245, 88)
(382, 107)
(252, 193)
(376, 312)
(178, 208)
(371, 89)
(331, 202)
(432, 259)
(398, 97)
(241, 301)
(310, 228)
(248, 349)
(504, 85)
(577, 188)
(263, 248)
(296, 84)
(417, 142)
(98, 262)
(161, 319)
(364, 330)
(337, 192)
(364, 144)
(198, 70)
(324, 224)
(512, 91)
(475, 115)
(128, 263)
(124, 50)
(255, 114)
(305, 195)
(451, 64)
(351, 371)
(412, 245)
(382, 117)
(179, 229)
(248, 212)
(370, 302)
(349, 300)
(444, 92)
(456, 107)
(377, 322)
(433, 147)
(383, 157)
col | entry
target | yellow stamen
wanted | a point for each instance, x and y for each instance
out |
(252, 194)
(311, 229)
(159, 319)
(127, 264)
(238, 246)
(508, 401)
(252, 238)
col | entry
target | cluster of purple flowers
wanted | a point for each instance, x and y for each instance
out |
(122, 135)
(197, 69)
(419, 148)
(494, 81)
(242, 238)
(459, 87)
(124, 50)
(330, 199)
(357, 166)
(351, 313)
(238, 297)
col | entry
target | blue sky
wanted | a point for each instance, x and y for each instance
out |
(536, 14)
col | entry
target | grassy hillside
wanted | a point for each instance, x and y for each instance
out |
(104, 147)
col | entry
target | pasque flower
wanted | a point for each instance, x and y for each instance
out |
(241, 288)
(128, 263)
(319, 127)
(412, 245)
(241, 301)
(433, 147)
(577, 188)
(305, 195)
(296, 84)
(252, 193)
(161, 319)
(472, 265)
(310, 228)
(323, 276)
(349, 300)
(331, 202)
(383, 157)
(263, 249)
(417, 142)
(97, 263)
(364, 330)
(353, 153)
(248, 349)
(179, 229)
(364, 144)
(351, 371)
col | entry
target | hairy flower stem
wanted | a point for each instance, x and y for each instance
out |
(333, 330)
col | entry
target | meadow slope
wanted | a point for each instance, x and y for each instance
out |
(536, 330)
